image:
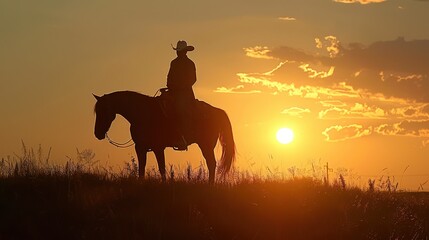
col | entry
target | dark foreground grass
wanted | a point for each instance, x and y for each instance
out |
(93, 206)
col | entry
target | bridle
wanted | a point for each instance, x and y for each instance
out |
(127, 144)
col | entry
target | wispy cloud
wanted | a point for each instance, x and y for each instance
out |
(399, 78)
(334, 47)
(296, 111)
(417, 129)
(341, 133)
(271, 72)
(237, 89)
(258, 52)
(291, 54)
(399, 55)
(312, 73)
(319, 43)
(375, 107)
(360, 1)
(329, 43)
(287, 18)
(357, 111)
(405, 128)
(306, 91)
(333, 103)
(416, 112)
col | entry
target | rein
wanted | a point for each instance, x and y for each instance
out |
(120, 145)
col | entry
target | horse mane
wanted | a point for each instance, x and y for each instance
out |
(132, 96)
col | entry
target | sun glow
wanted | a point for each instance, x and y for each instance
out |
(285, 135)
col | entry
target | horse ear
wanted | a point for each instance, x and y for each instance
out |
(96, 97)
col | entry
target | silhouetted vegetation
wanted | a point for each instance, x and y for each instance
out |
(80, 201)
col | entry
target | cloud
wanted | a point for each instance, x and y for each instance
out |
(415, 128)
(237, 89)
(399, 78)
(287, 18)
(418, 129)
(312, 73)
(415, 112)
(337, 90)
(360, 1)
(425, 109)
(341, 133)
(399, 56)
(374, 107)
(330, 44)
(333, 103)
(334, 47)
(356, 111)
(405, 128)
(295, 111)
(258, 52)
(291, 54)
(271, 72)
(396, 68)
(319, 43)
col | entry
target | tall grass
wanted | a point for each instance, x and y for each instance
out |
(80, 200)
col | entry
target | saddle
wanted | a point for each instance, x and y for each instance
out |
(166, 104)
(164, 101)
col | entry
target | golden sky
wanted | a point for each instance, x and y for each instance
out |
(349, 77)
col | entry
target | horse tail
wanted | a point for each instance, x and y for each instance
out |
(226, 140)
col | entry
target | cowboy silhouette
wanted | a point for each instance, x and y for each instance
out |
(180, 78)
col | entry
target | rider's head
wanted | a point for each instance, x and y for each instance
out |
(182, 48)
(181, 53)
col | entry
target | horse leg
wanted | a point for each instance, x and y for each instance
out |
(211, 162)
(141, 156)
(160, 158)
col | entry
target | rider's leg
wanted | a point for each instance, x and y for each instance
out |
(182, 122)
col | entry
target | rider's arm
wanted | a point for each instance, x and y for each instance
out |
(170, 78)
(192, 74)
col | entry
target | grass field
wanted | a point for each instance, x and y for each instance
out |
(76, 201)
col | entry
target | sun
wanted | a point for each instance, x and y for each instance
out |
(285, 135)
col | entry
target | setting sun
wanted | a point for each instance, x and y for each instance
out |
(285, 135)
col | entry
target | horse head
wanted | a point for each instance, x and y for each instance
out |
(104, 117)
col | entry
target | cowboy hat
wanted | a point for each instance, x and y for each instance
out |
(182, 46)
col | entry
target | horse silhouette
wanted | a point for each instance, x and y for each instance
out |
(151, 129)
